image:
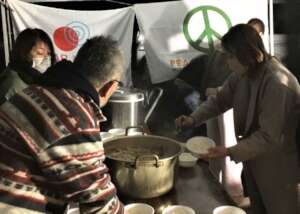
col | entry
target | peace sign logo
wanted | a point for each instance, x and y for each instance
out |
(203, 25)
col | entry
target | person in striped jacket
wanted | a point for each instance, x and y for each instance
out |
(51, 152)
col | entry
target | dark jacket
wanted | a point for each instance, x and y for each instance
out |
(15, 78)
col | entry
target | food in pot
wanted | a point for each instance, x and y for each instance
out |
(148, 155)
(130, 153)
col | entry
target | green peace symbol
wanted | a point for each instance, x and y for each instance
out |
(208, 31)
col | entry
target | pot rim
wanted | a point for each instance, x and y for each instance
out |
(181, 148)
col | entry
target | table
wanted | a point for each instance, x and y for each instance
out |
(194, 187)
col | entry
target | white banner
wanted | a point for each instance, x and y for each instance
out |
(176, 32)
(69, 29)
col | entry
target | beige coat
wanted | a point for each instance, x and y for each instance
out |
(266, 111)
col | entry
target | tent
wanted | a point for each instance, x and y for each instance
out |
(101, 4)
(164, 62)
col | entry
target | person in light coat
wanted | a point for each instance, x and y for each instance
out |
(266, 101)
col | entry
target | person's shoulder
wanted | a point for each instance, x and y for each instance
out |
(16, 81)
(280, 75)
(11, 83)
(62, 95)
(237, 75)
(277, 71)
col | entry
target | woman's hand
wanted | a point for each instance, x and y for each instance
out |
(184, 121)
(215, 152)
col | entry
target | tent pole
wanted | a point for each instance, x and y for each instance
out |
(3, 3)
(5, 34)
(118, 2)
(9, 28)
(271, 25)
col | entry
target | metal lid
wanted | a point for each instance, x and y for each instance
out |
(127, 95)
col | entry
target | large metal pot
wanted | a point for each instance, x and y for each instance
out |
(131, 107)
(142, 166)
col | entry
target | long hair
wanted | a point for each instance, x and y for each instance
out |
(246, 45)
(26, 40)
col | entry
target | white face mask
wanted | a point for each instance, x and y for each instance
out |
(41, 63)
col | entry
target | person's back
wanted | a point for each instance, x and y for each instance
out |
(36, 173)
(51, 152)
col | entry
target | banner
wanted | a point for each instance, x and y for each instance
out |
(176, 32)
(69, 29)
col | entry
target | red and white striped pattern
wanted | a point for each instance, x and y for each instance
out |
(51, 153)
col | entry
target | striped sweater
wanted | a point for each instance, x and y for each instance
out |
(51, 153)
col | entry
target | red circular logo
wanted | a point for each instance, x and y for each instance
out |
(66, 38)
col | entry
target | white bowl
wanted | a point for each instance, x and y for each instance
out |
(199, 145)
(106, 136)
(139, 208)
(135, 133)
(178, 209)
(73, 211)
(228, 210)
(117, 132)
(186, 159)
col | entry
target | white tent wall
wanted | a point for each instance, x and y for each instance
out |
(6, 33)
(39, 1)
(282, 17)
(118, 23)
(116, 2)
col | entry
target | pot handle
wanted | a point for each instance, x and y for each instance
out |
(154, 104)
(120, 91)
(146, 160)
(134, 127)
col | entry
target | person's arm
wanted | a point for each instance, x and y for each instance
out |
(74, 168)
(6, 82)
(217, 104)
(10, 83)
(273, 111)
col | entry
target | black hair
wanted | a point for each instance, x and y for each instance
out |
(26, 40)
(259, 23)
(97, 60)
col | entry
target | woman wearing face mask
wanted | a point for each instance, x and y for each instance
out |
(32, 54)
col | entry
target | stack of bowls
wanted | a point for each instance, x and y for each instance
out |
(186, 159)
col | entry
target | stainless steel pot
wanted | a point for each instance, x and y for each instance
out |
(131, 107)
(142, 166)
